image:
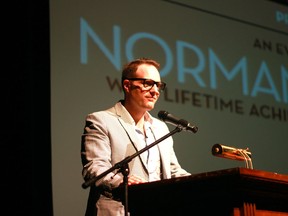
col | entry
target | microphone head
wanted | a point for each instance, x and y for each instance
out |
(162, 115)
(168, 118)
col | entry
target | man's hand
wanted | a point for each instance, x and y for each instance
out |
(135, 180)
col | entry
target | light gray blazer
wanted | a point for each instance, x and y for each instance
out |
(109, 137)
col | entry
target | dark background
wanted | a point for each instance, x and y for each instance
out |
(26, 165)
(26, 159)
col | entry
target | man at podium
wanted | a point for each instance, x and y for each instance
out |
(111, 135)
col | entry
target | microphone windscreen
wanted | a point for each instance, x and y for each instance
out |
(162, 114)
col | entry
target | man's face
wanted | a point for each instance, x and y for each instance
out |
(144, 93)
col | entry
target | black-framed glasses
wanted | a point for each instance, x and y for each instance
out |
(149, 83)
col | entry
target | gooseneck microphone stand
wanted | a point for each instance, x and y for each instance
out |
(122, 167)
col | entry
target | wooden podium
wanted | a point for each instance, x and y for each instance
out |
(233, 192)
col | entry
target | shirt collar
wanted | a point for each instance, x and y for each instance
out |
(122, 111)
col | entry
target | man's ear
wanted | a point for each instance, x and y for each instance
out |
(126, 85)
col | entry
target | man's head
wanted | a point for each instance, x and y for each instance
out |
(141, 83)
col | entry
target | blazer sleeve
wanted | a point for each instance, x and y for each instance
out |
(96, 149)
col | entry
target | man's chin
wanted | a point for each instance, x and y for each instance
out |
(150, 105)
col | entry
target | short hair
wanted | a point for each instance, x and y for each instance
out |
(130, 68)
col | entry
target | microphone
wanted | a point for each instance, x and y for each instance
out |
(167, 117)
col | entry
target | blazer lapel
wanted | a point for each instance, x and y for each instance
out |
(131, 133)
(127, 124)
